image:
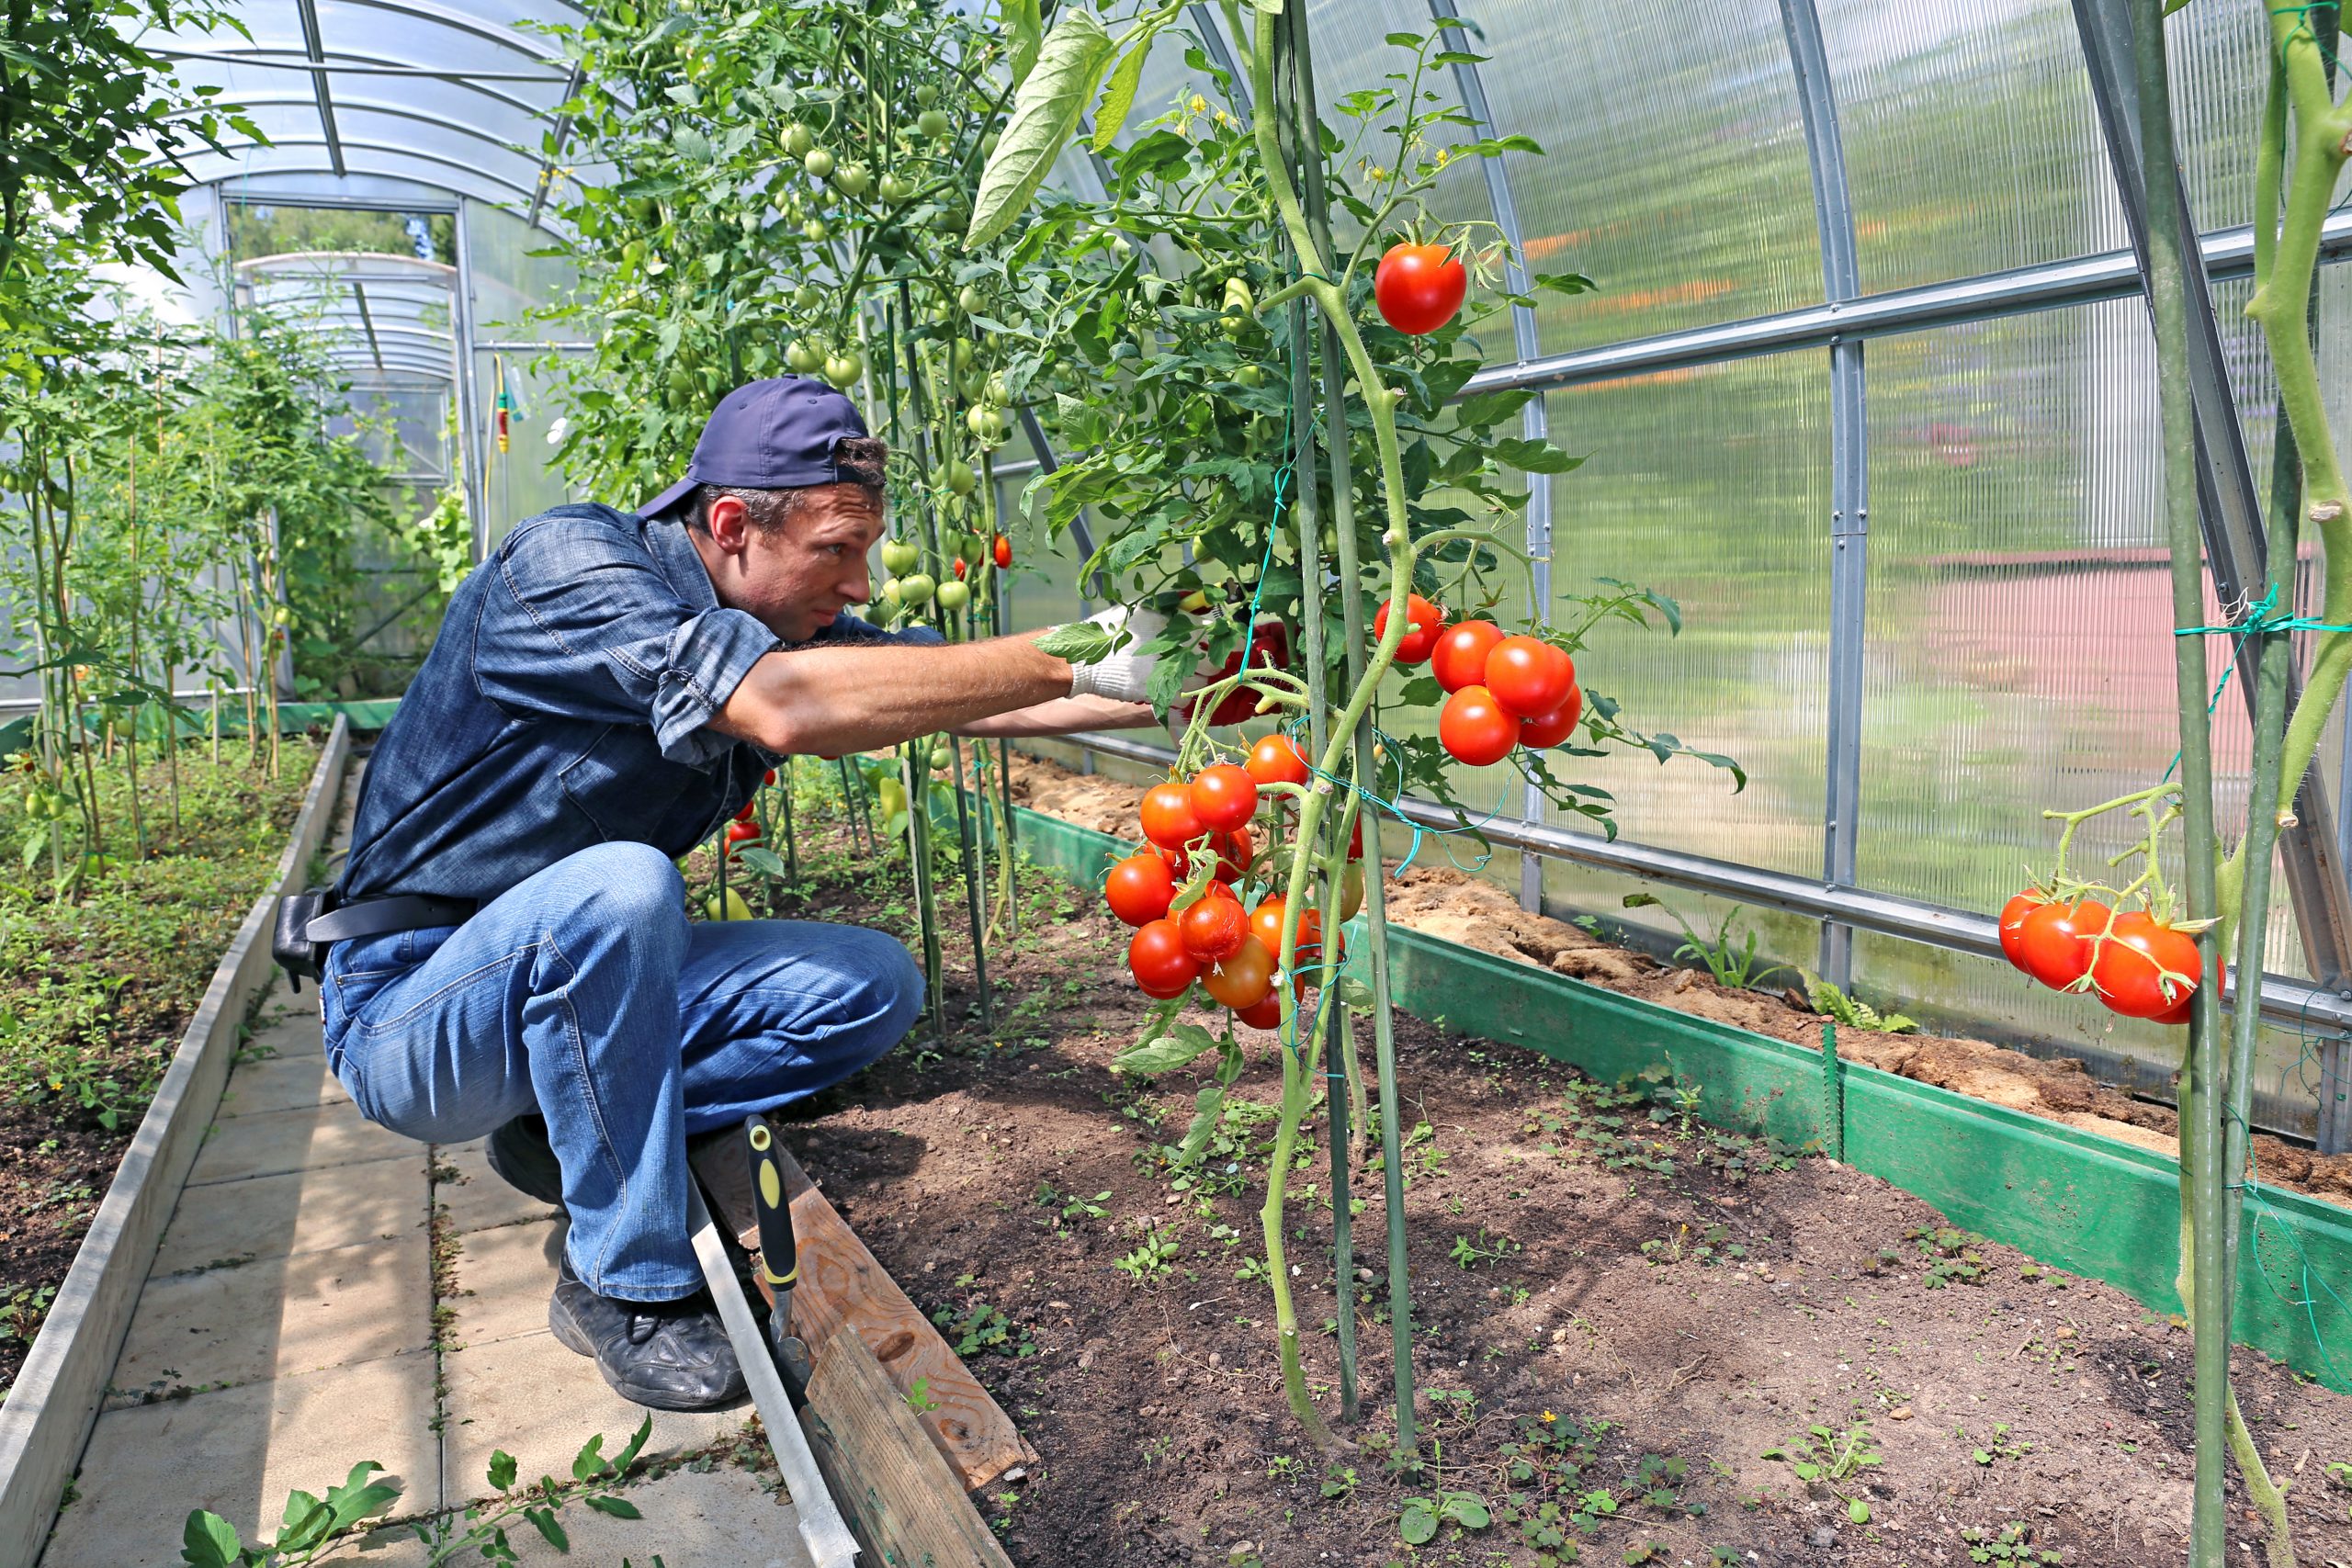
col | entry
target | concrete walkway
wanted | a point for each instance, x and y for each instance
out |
(296, 1323)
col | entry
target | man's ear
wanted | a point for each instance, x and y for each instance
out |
(728, 521)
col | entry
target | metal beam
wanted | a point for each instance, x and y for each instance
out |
(1849, 538)
(376, 105)
(228, 154)
(1535, 421)
(259, 57)
(2111, 275)
(458, 22)
(360, 294)
(316, 45)
(562, 134)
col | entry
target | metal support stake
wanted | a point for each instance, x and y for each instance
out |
(461, 349)
(1535, 419)
(1848, 477)
(2335, 1092)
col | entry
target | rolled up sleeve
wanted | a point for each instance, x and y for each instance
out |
(581, 624)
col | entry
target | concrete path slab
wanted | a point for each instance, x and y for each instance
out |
(274, 1142)
(300, 1211)
(476, 1196)
(299, 1314)
(503, 1279)
(536, 1400)
(279, 1083)
(238, 1452)
(289, 1026)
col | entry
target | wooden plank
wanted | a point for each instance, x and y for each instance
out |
(906, 1504)
(842, 1283)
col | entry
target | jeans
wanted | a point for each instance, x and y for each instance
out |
(584, 993)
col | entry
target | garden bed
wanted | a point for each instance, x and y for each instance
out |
(1678, 1302)
(95, 995)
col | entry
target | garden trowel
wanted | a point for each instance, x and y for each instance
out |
(779, 1253)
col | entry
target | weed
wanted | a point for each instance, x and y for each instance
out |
(1733, 967)
(919, 1396)
(1829, 1458)
(1951, 1256)
(1851, 1012)
(1487, 1249)
(21, 1313)
(983, 1328)
(1710, 1247)
(1999, 1445)
(1154, 1257)
(2012, 1544)
(1422, 1516)
(1341, 1483)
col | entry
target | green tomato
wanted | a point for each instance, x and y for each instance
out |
(1237, 297)
(915, 589)
(817, 229)
(852, 179)
(931, 124)
(969, 300)
(799, 138)
(959, 477)
(986, 422)
(818, 162)
(961, 354)
(997, 392)
(807, 298)
(899, 556)
(845, 369)
(973, 384)
(941, 759)
(926, 95)
(802, 358)
(972, 549)
(892, 593)
(896, 190)
(892, 796)
(1250, 375)
(954, 596)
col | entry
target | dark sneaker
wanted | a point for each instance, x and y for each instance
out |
(667, 1355)
(519, 1152)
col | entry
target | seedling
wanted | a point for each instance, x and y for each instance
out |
(1951, 1255)
(1733, 966)
(1487, 1249)
(1154, 1257)
(1851, 1012)
(1827, 1458)
(1422, 1516)
(2012, 1545)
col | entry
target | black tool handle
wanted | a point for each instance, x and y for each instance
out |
(779, 1253)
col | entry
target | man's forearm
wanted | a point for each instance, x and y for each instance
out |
(832, 700)
(1063, 716)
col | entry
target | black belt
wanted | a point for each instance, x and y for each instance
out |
(308, 922)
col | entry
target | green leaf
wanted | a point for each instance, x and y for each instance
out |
(1168, 1052)
(211, 1542)
(1533, 456)
(1119, 94)
(768, 863)
(1045, 110)
(1081, 642)
(501, 1470)
(307, 1522)
(544, 1518)
(590, 1461)
(1858, 1511)
(1356, 994)
(1207, 1107)
(1418, 1526)
(618, 1508)
(636, 1441)
(1025, 25)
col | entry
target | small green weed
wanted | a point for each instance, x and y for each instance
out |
(2012, 1544)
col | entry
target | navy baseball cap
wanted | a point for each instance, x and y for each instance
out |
(775, 434)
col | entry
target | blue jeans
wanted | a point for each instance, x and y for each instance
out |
(585, 994)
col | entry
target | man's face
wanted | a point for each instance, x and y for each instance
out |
(796, 578)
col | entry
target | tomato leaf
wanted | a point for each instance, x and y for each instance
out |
(765, 862)
(1168, 1052)
(1207, 1107)
(1119, 93)
(1081, 642)
(1534, 456)
(501, 1470)
(1025, 25)
(211, 1542)
(618, 1508)
(1045, 111)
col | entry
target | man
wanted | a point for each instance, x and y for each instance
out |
(605, 692)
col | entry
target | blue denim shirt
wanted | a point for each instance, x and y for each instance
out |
(564, 704)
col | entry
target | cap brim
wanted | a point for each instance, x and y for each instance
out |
(667, 499)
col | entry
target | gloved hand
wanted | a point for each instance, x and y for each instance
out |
(1124, 673)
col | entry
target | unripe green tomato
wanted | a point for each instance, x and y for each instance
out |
(997, 392)
(758, 360)
(959, 476)
(926, 95)
(817, 229)
(931, 124)
(960, 356)
(802, 358)
(799, 138)
(807, 298)
(279, 616)
(967, 299)
(633, 252)
(892, 593)
(899, 556)
(916, 588)
(973, 384)
(818, 162)
(896, 190)
(954, 596)
(984, 422)
(681, 381)
(852, 179)
(845, 369)
(1237, 297)
(971, 549)
(1250, 375)
(941, 759)
(988, 144)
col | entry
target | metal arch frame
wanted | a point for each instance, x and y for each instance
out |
(458, 21)
(372, 106)
(321, 95)
(1841, 281)
(370, 65)
(555, 148)
(381, 147)
(1536, 420)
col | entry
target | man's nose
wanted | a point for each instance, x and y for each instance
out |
(858, 586)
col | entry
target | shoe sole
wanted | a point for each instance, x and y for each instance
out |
(569, 1334)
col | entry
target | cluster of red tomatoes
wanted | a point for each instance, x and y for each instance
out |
(1228, 948)
(745, 828)
(1506, 691)
(2138, 965)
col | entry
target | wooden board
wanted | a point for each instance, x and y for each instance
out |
(905, 1503)
(842, 1284)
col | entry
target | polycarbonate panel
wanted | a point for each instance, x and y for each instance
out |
(1349, 43)
(510, 283)
(523, 481)
(1675, 173)
(1972, 143)
(2219, 59)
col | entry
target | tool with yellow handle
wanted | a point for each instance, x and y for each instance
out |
(779, 1252)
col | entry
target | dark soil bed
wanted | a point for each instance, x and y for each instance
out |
(1608, 1300)
(94, 994)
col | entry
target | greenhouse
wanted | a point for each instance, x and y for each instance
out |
(1271, 783)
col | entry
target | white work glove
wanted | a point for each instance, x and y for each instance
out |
(1124, 673)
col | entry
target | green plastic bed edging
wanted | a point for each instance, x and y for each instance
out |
(2082, 1203)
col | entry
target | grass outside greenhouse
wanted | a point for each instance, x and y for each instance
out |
(1720, 933)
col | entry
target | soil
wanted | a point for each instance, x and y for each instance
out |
(1447, 903)
(1644, 1307)
(158, 926)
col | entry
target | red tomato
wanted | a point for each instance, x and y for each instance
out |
(2179, 1010)
(1266, 925)
(742, 833)
(1214, 926)
(2056, 941)
(1460, 658)
(1244, 978)
(745, 814)
(1276, 758)
(1003, 548)
(1266, 1014)
(2012, 923)
(2143, 969)
(1530, 678)
(1168, 818)
(1233, 853)
(1419, 288)
(1475, 728)
(1157, 957)
(1269, 649)
(1423, 625)
(959, 568)
(1223, 796)
(1139, 888)
(770, 778)
(1554, 726)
